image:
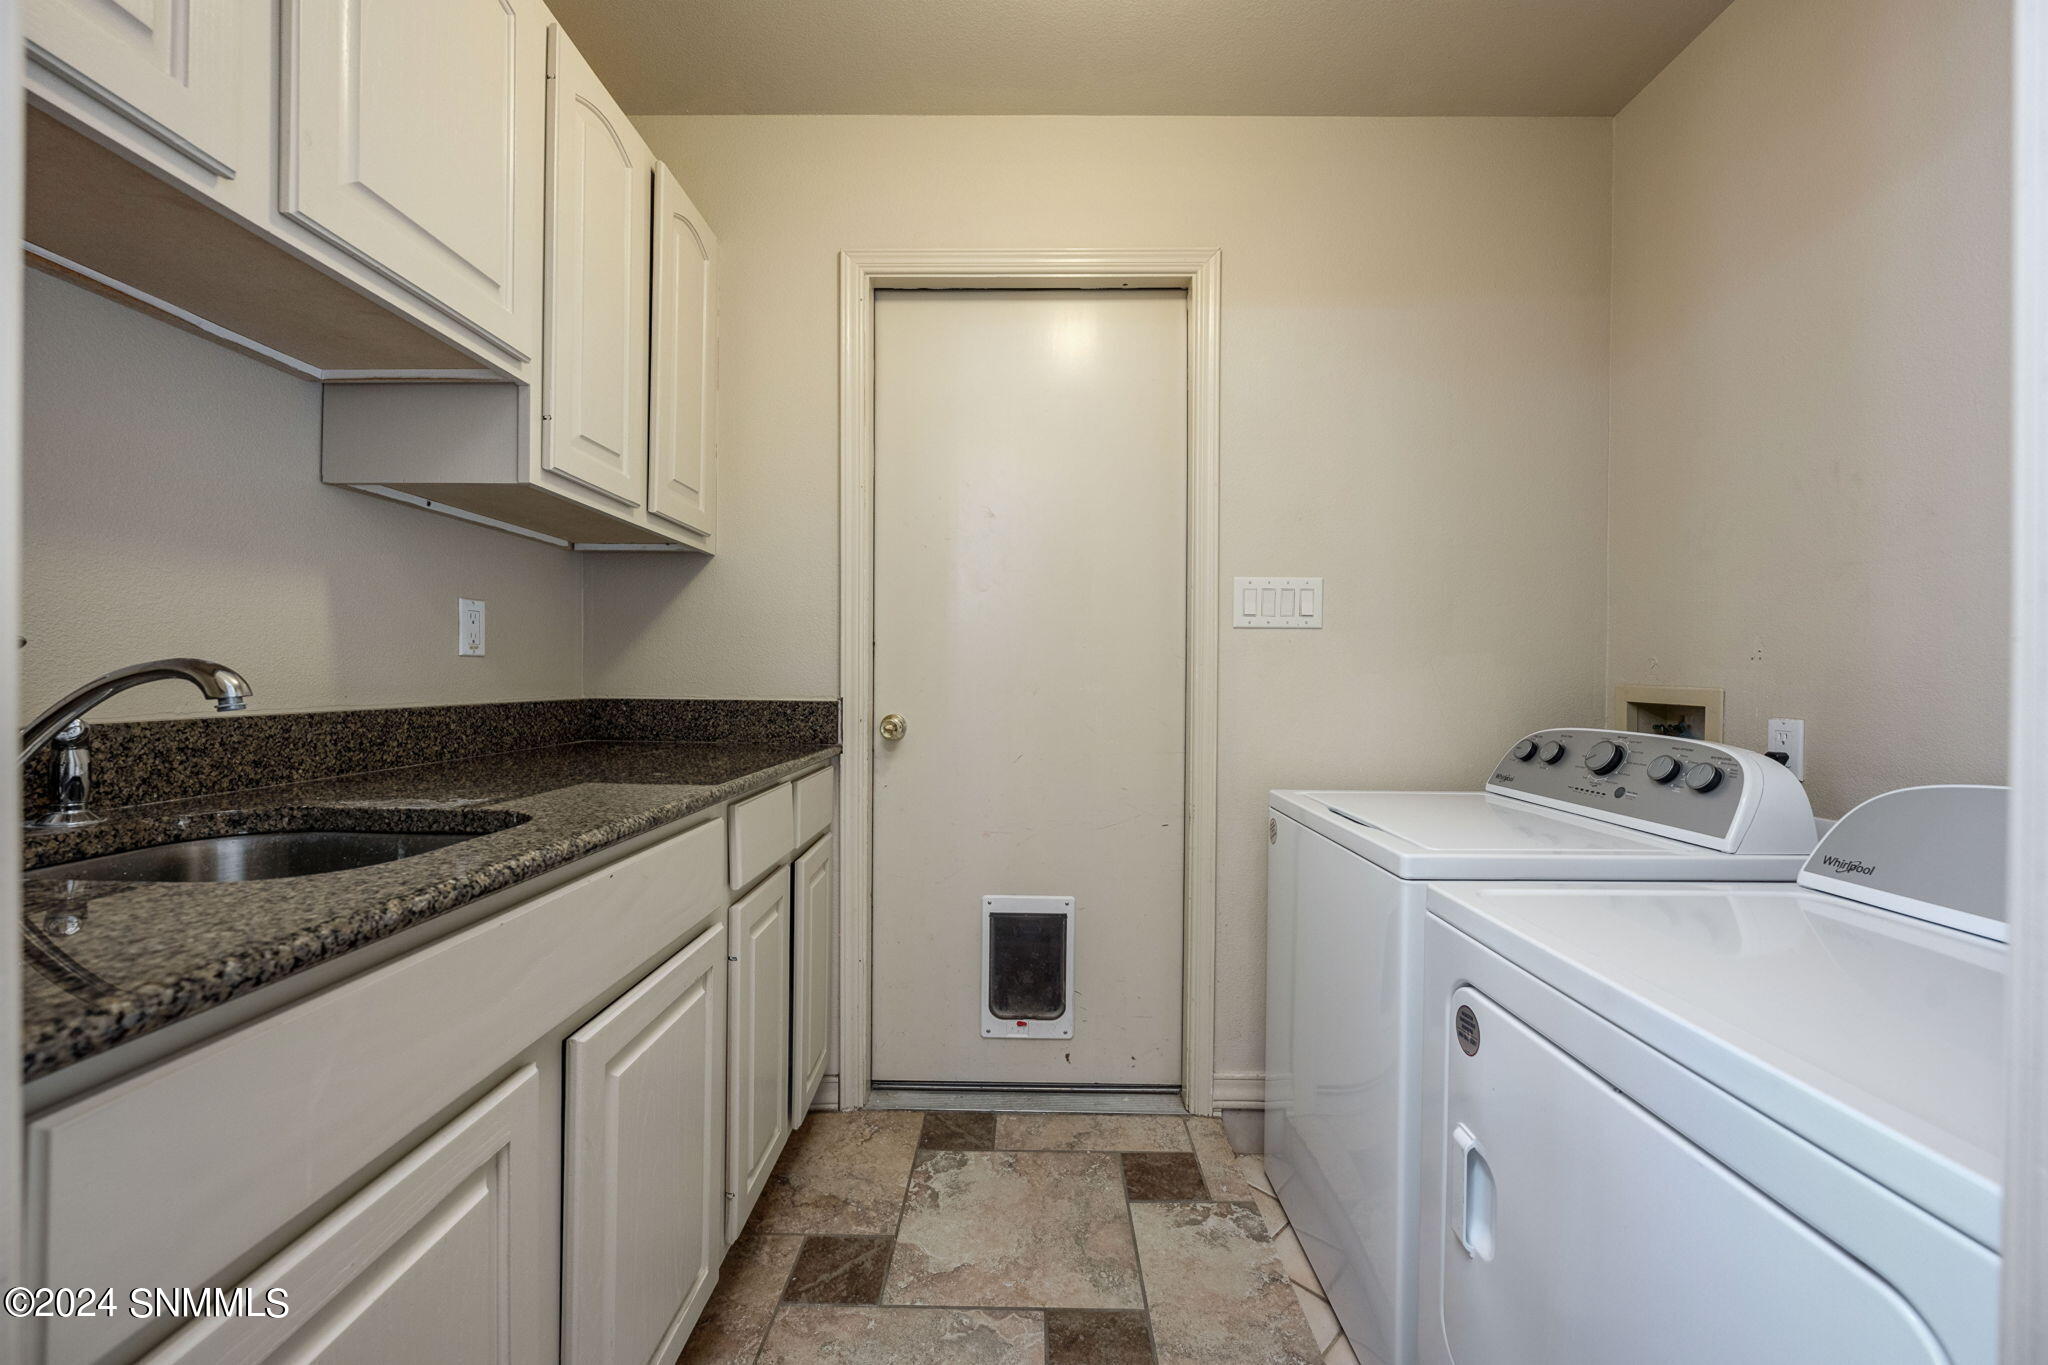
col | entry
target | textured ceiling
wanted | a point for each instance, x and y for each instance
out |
(1130, 56)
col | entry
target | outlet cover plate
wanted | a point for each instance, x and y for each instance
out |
(469, 625)
(1788, 737)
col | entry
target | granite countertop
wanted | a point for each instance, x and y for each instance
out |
(106, 961)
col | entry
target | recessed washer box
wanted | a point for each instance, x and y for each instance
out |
(1027, 966)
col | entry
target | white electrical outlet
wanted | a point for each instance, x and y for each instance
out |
(1788, 737)
(469, 626)
(1277, 604)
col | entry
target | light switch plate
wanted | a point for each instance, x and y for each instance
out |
(469, 626)
(1278, 604)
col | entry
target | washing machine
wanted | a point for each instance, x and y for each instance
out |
(1346, 874)
(1714, 1123)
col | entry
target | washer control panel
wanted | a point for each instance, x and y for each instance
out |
(1685, 786)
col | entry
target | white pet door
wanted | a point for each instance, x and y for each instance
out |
(1027, 966)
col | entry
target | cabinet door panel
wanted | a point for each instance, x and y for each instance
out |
(683, 437)
(172, 67)
(811, 985)
(600, 191)
(437, 1259)
(757, 1073)
(644, 1207)
(412, 139)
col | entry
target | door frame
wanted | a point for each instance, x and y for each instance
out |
(2024, 1244)
(861, 273)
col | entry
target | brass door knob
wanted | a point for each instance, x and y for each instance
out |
(893, 726)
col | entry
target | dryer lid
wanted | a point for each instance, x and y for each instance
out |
(1935, 853)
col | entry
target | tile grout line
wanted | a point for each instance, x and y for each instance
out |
(1137, 1253)
(902, 1206)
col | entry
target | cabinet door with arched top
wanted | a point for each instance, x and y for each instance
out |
(683, 441)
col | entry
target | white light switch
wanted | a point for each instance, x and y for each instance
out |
(1279, 604)
(469, 626)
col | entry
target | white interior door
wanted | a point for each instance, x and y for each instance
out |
(1030, 600)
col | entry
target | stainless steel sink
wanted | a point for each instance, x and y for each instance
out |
(254, 857)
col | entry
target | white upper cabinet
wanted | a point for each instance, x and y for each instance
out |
(171, 67)
(683, 437)
(410, 136)
(594, 370)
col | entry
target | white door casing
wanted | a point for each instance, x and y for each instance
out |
(1030, 580)
(411, 138)
(171, 67)
(683, 438)
(599, 217)
(861, 273)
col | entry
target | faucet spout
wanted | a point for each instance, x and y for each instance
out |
(225, 688)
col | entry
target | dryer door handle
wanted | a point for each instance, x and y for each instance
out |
(1473, 1195)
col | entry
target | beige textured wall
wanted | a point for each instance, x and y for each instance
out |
(1810, 454)
(173, 505)
(1414, 407)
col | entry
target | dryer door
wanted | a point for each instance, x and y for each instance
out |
(1581, 1230)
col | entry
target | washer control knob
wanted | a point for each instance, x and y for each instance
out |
(1703, 777)
(1524, 751)
(1605, 757)
(1553, 752)
(1665, 769)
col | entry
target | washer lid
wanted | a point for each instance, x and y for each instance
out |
(1878, 1038)
(1422, 835)
(1459, 822)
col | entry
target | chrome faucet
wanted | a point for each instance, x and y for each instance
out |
(63, 727)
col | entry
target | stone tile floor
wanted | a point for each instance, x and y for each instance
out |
(889, 1238)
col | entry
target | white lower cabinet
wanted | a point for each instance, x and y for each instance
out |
(810, 1021)
(629, 1121)
(437, 1259)
(643, 1218)
(757, 1080)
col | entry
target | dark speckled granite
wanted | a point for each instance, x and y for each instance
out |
(138, 762)
(108, 961)
(811, 723)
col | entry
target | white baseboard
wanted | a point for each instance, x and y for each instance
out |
(827, 1096)
(1239, 1090)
